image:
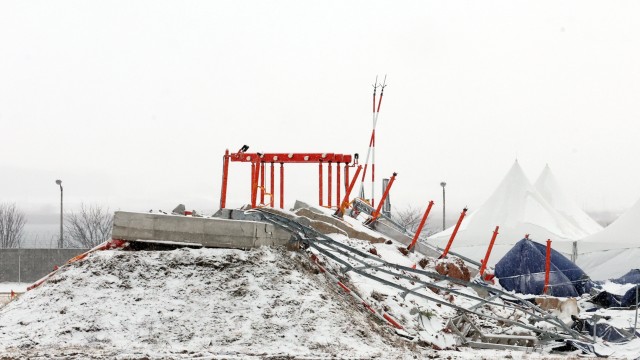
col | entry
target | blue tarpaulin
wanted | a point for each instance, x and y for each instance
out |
(522, 270)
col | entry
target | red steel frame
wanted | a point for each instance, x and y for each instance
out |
(258, 162)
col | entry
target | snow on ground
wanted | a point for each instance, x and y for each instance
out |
(7, 287)
(187, 303)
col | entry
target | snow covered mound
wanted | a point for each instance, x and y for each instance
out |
(189, 303)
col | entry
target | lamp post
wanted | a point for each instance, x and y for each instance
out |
(60, 243)
(443, 184)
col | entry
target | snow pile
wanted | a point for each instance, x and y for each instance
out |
(188, 302)
(613, 251)
(519, 209)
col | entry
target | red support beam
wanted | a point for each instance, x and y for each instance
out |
(291, 157)
(320, 183)
(419, 230)
(262, 183)
(272, 186)
(453, 235)
(486, 256)
(338, 185)
(345, 202)
(329, 183)
(281, 186)
(547, 268)
(225, 177)
(346, 177)
(376, 214)
(254, 185)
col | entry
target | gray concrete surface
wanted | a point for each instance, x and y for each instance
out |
(208, 232)
(28, 265)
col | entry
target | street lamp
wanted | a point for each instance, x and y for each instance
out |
(443, 184)
(60, 243)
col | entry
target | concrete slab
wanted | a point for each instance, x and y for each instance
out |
(208, 232)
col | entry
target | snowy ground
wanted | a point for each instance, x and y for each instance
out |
(222, 303)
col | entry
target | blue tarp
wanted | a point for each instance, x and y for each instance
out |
(632, 277)
(522, 270)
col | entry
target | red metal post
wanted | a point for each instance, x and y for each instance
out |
(253, 175)
(345, 202)
(547, 268)
(329, 183)
(272, 186)
(376, 214)
(346, 176)
(320, 183)
(262, 183)
(486, 256)
(281, 186)
(422, 222)
(254, 184)
(453, 235)
(225, 177)
(338, 185)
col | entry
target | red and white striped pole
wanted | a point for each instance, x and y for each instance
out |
(372, 142)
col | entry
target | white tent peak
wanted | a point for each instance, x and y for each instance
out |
(550, 189)
(518, 208)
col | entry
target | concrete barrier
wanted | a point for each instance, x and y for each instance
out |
(208, 232)
(28, 265)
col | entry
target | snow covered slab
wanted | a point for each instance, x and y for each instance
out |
(192, 303)
(208, 232)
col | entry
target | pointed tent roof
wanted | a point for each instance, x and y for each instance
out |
(613, 251)
(519, 209)
(549, 188)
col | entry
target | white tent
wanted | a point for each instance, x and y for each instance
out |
(548, 187)
(613, 251)
(518, 208)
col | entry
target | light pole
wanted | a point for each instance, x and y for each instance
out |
(443, 184)
(60, 243)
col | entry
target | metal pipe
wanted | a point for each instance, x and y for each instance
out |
(281, 185)
(453, 235)
(272, 186)
(262, 183)
(419, 230)
(329, 183)
(225, 177)
(320, 183)
(547, 268)
(338, 185)
(345, 202)
(486, 256)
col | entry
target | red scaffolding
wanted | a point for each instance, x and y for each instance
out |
(258, 164)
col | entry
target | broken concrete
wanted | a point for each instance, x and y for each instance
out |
(208, 232)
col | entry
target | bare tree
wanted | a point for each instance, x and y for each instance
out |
(88, 227)
(409, 217)
(12, 222)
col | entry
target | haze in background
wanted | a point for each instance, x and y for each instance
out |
(132, 104)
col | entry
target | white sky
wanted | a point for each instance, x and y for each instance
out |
(132, 103)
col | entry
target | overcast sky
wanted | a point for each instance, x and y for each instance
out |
(132, 103)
